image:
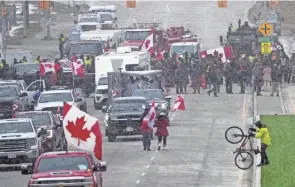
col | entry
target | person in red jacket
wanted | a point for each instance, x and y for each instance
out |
(146, 136)
(162, 130)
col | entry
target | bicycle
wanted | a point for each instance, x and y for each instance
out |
(238, 136)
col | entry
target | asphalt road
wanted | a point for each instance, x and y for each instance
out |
(197, 154)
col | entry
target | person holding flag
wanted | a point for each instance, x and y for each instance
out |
(162, 132)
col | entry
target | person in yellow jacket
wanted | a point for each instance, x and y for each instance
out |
(263, 134)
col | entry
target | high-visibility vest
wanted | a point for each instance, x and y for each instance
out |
(87, 62)
(24, 61)
(251, 58)
(1, 65)
(36, 61)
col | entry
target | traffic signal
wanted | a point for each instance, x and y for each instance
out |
(131, 3)
(4, 11)
(222, 3)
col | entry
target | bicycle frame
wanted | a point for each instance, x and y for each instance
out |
(242, 148)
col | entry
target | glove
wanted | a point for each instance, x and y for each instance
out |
(251, 134)
(252, 129)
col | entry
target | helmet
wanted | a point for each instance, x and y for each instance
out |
(258, 124)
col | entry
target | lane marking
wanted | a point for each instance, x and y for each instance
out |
(147, 167)
(152, 158)
(281, 100)
(142, 174)
(137, 181)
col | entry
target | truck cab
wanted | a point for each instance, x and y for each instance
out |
(72, 168)
(181, 47)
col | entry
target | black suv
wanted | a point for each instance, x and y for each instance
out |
(11, 101)
(124, 116)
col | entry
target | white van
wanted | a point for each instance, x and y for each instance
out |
(122, 60)
(111, 9)
(115, 36)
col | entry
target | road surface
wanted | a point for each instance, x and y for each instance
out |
(197, 154)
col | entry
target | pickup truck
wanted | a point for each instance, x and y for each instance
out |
(73, 168)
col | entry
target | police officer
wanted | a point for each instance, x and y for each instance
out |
(24, 60)
(214, 80)
(87, 63)
(38, 60)
(184, 77)
(62, 41)
(242, 74)
(258, 78)
(1, 70)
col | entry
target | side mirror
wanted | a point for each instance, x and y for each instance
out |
(102, 166)
(78, 99)
(75, 22)
(24, 94)
(104, 109)
(26, 170)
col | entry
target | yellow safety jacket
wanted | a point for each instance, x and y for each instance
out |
(1, 65)
(24, 61)
(36, 61)
(263, 134)
(87, 62)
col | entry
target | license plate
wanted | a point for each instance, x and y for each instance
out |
(11, 155)
(129, 129)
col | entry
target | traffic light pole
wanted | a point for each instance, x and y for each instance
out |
(48, 36)
(26, 17)
(4, 26)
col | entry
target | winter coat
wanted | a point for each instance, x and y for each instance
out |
(162, 125)
(275, 75)
(267, 74)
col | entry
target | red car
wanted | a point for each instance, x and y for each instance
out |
(73, 168)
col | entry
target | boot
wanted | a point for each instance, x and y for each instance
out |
(159, 147)
(148, 149)
(165, 147)
(209, 92)
(144, 148)
(278, 95)
(261, 163)
(266, 162)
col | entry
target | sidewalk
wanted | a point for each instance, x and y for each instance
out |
(269, 105)
(288, 95)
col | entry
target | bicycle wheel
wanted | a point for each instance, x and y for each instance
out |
(244, 160)
(234, 135)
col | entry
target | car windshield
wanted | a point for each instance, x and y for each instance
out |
(63, 163)
(128, 105)
(148, 94)
(136, 35)
(86, 48)
(106, 17)
(26, 68)
(103, 81)
(74, 37)
(55, 97)
(183, 48)
(16, 127)
(38, 119)
(88, 19)
(8, 92)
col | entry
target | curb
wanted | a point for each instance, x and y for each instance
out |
(257, 142)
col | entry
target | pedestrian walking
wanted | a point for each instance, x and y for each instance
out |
(61, 43)
(146, 136)
(214, 81)
(263, 134)
(162, 131)
(275, 76)
(266, 76)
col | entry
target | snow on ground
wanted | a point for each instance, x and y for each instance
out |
(14, 29)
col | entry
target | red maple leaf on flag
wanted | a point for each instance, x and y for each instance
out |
(77, 131)
(48, 65)
(147, 44)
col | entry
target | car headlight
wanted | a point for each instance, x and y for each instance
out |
(32, 141)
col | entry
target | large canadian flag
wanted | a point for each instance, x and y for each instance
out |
(82, 130)
(78, 68)
(148, 44)
(178, 104)
(151, 116)
(225, 51)
(46, 67)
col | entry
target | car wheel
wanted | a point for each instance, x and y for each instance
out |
(111, 138)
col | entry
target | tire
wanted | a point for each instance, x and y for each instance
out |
(230, 135)
(111, 138)
(244, 156)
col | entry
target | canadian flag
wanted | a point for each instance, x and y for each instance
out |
(178, 104)
(107, 45)
(114, 93)
(82, 130)
(148, 44)
(160, 56)
(151, 116)
(78, 68)
(46, 67)
(226, 52)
